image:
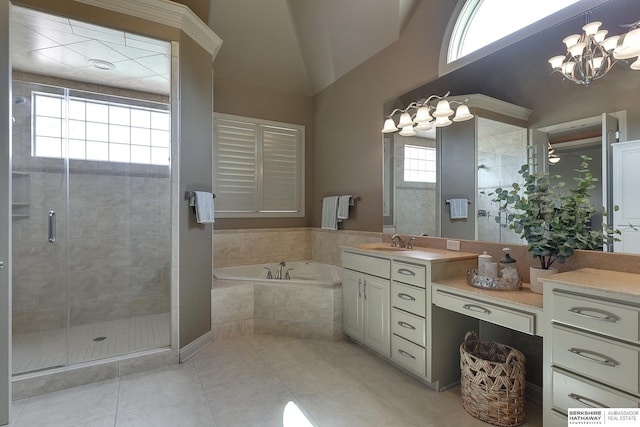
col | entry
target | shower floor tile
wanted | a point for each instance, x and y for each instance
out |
(35, 351)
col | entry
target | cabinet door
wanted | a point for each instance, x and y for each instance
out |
(352, 314)
(377, 324)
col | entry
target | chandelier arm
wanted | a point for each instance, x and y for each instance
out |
(632, 25)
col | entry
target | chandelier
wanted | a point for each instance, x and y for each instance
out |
(591, 55)
(426, 116)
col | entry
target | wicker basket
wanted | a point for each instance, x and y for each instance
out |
(492, 381)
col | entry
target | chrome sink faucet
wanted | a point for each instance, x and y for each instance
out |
(279, 272)
(396, 241)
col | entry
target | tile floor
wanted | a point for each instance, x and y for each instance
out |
(249, 381)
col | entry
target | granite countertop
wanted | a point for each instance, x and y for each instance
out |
(417, 253)
(524, 297)
(615, 282)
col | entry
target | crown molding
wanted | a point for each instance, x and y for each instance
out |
(168, 13)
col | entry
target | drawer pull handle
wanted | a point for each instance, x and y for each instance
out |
(605, 316)
(406, 272)
(587, 401)
(476, 308)
(405, 354)
(589, 355)
(406, 297)
(406, 325)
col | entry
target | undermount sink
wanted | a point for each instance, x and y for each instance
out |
(386, 247)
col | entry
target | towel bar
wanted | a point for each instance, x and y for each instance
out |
(189, 194)
(355, 198)
(448, 200)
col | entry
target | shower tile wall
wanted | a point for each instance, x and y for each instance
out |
(502, 156)
(119, 240)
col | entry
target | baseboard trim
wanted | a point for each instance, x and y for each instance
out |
(191, 349)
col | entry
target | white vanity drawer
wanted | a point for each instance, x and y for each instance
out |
(408, 298)
(409, 273)
(598, 358)
(408, 326)
(570, 391)
(512, 319)
(408, 354)
(607, 318)
(380, 267)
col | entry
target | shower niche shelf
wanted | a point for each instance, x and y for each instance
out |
(21, 188)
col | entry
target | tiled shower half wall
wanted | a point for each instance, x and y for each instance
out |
(102, 288)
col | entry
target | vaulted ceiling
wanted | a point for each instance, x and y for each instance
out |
(302, 46)
(294, 46)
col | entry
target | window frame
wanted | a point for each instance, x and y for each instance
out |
(105, 100)
(300, 166)
(426, 149)
(445, 67)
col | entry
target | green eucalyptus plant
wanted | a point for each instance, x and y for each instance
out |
(553, 221)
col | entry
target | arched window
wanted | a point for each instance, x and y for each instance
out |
(479, 27)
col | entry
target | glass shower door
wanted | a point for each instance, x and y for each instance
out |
(119, 226)
(39, 211)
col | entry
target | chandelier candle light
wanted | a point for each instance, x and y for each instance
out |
(426, 116)
(591, 55)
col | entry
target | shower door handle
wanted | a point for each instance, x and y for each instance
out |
(52, 226)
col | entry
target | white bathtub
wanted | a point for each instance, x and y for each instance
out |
(308, 273)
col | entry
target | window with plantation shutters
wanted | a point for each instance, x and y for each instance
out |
(259, 168)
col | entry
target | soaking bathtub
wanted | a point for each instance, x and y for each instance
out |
(309, 305)
(302, 273)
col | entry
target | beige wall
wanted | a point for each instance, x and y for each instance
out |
(196, 104)
(347, 116)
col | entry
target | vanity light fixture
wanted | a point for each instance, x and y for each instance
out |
(592, 54)
(426, 116)
(552, 157)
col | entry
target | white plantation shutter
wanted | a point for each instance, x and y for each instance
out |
(236, 161)
(279, 169)
(259, 167)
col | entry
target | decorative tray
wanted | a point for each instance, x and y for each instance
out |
(501, 284)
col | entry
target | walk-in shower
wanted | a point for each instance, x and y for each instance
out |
(91, 204)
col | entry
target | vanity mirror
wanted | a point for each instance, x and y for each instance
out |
(486, 152)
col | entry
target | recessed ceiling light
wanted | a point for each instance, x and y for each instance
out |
(102, 65)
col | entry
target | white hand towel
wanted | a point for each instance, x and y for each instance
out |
(203, 202)
(330, 213)
(458, 208)
(343, 207)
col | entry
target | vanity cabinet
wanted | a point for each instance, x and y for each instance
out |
(593, 346)
(365, 300)
(387, 308)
